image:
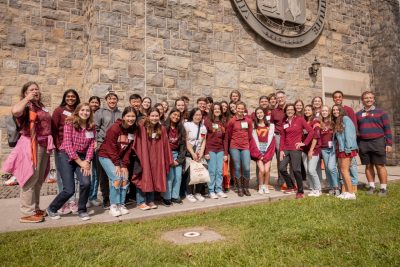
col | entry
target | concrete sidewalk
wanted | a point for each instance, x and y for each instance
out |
(9, 208)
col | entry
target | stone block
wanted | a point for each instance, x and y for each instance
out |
(133, 44)
(219, 27)
(155, 45)
(154, 79)
(179, 44)
(101, 90)
(10, 64)
(189, 3)
(65, 63)
(226, 75)
(184, 84)
(178, 63)
(169, 82)
(108, 75)
(136, 70)
(16, 37)
(27, 67)
(110, 19)
(206, 26)
(99, 61)
(52, 4)
(120, 7)
(120, 54)
(55, 15)
(156, 22)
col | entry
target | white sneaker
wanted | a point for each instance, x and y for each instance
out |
(191, 198)
(222, 195)
(212, 195)
(350, 196)
(261, 190)
(123, 209)
(114, 211)
(199, 197)
(265, 189)
(315, 193)
(342, 195)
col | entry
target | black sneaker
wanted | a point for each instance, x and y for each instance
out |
(177, 201)
(106, 204)
(166, 202)
(371, 190)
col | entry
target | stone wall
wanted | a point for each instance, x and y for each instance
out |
(168, 48)
(385, 50)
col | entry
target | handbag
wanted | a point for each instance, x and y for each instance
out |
(198, 173)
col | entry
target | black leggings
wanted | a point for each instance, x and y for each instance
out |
(294, 158)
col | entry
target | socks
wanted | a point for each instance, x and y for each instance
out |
(384, 186)
(371, 184)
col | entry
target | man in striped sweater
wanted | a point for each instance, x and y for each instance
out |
(375, 140)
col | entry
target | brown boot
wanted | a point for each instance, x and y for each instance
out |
(246, 186)
(239, 187)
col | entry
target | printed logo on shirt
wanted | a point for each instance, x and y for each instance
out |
(66, 113)
(262, 132)
(89, 134)
(123, 140)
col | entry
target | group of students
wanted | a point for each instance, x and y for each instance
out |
(144, 152)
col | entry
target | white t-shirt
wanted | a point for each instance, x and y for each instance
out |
(192, 129)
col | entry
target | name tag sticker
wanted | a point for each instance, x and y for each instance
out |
(66, 113)
(153, 135)
(215, 126)
(89, 134)
(244, 125)
(364, 114)
(330, 144)
(285, 126)
(45, 109)
(131, 136)
(268, 118)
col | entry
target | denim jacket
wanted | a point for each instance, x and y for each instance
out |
(347, 140)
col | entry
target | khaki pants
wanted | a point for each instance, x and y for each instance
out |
(30, 192)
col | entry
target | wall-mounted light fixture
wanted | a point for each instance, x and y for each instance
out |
(313, 70)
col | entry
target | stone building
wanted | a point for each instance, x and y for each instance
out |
(168, 48)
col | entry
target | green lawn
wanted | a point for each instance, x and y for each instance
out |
(309, 232)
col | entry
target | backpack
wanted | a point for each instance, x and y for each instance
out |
(13, 131)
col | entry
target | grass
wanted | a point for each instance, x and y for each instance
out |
(309, 232)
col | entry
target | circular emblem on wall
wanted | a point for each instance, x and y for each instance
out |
(286, 23)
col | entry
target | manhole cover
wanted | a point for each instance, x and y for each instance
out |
(192, 235)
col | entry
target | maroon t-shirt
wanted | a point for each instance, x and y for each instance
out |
(315, 124)
(240, 132)
(326, 137)
(216, 133)
(173, 138)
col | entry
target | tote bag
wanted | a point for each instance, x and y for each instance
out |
(198, 173)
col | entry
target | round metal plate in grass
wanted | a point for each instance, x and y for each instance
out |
(192, 236)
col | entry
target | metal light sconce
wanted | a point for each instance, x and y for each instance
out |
(313, 70)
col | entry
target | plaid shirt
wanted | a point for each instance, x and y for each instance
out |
(78, 141)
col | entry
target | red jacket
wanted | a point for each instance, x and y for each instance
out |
(316, 125)
(292, 133)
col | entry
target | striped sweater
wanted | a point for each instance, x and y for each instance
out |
(374, 124)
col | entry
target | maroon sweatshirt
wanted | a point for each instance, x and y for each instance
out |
(115, 143)
(57, 124)
(351, 114)
(240, 132)
(277, 117)
(292, 133)
(216, 137)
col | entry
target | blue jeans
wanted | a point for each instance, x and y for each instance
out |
(215, 169)
(241, 157)
(331, 171)
(354, 171)
(59, 180)
(68, 169)
(174, 180)
(117, 189)
(94, 183)
(313, 174)
(142, 197)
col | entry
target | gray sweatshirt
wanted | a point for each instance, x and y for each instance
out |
(103, 119)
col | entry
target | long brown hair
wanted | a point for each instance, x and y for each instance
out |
(256, 120)
(152, 128)
(76, 121)
(338, 121)
(310, 118)
(221, 117)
